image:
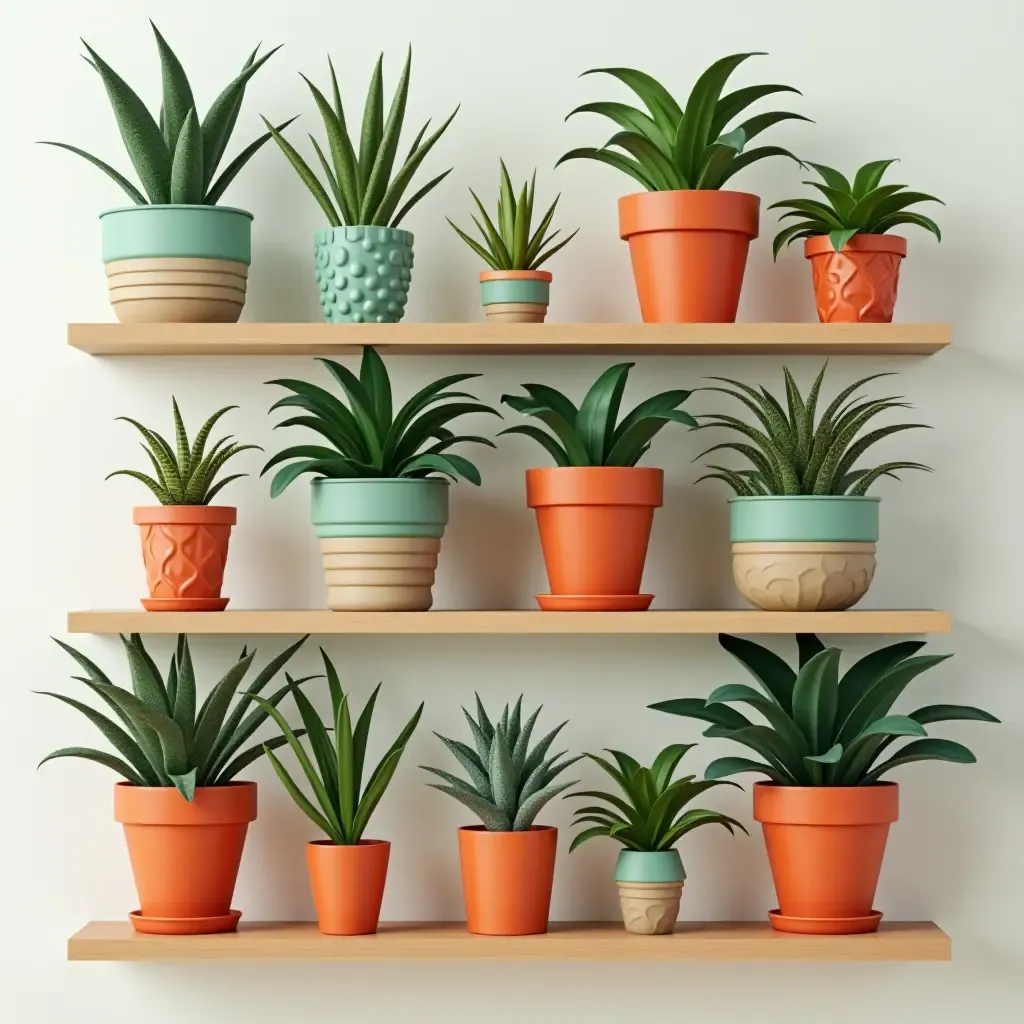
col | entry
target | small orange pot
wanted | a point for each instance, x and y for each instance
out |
(348, 884)
(857, 285)
(507, 878)
(185, 549)
(185, 856)
(825, 846)
(689, 252)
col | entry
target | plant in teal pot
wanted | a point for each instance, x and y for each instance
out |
(364, 259)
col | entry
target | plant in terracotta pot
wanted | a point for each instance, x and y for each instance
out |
(508, 862)
(826, 742)
(364, 260)
(648, 819)
(347, 872)
(380, 497)
(515, 289)
(175, 255)
(596, 507)
(855, 262)
(185, 538)
(184, 814)
(688, 235)
(802, 524)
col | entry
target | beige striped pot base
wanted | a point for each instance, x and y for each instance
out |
(379, 574)
(172, 291)
(515, 312)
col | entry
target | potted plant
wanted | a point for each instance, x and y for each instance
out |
(688, 236)
(855, 262)
(378, 505)
(364, 260)
(184, 814)
(648, 819)
(825, 811)
(596, 507)
(346, 871)
(185, 538)
(515, 290)
(802, 524)
(508, 862)
(175, 255)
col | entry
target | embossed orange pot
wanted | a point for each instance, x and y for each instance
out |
(348, 884)
(185, 549)
(857, 284)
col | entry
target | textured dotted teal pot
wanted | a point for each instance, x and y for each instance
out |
(803, 553)
(177, 263)
(515, 296)
(363, 274)
(379, 540)
(650, 889)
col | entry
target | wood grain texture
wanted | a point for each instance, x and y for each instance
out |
(598, 940)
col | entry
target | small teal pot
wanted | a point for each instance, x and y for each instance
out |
(515, 296)
(363, 273)
(650, 889)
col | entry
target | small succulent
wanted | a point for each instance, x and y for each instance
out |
(162, 739)
(651, 817)
(866, 207)
(791, 454)
(593, 435)
(510, 781)
(670, 147)
(823, 728)
(366, 439)
(362, 189)
(185, 474)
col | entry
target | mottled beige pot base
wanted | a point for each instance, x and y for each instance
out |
(515, 312)
(177, 290)
(650, 908)
(803, 576)
(379, 574)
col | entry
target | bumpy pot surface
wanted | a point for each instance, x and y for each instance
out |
(859, 283)
(348, 884)
(364, 273)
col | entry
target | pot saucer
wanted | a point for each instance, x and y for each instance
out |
(185, 925)
(825, 925)
(185, 604)
(594, 602)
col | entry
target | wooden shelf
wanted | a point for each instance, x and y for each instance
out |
(508, 339)
(446, 623)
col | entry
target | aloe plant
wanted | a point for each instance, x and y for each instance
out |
(363, 190)
(366, 439)
(649, 815)
(510, 782)
(791, 454)
(161, 737)
(823, 728)
(865, 207)
(175, 155)
(693, 147)
(593, 435)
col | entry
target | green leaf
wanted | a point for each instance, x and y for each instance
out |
(212, 715)
(493, 819)
(345, 770)
(665, 111)
(808, 645)
(595, 424)
(307, 808)
(187, 182)
(147, 685)
(658, 167)
(616, 160)
(543, 257)
(100, 757)
(864, 673)
(833, 178)
(788, 730)
(544, 439)
(886, 469)
(346, 170)
(951, 713)
(589, 833)
(130, 190)
(752, 156)
(534, 804)
(917, 219)
(869, 177)
(725, 766)
(217, 188)
(734, 103)
(774, 675)
(253, 753)
(922, 750)
(185, 784)
(815, 698)
(380, 173)
(177, 93)
(840, 238)
(502, 775)
(665, 763)
(695, 707)
(361, 406)
(373, 375)
(374, 791)
(630, 119)
(309, 179)
(417, 196)
(373, 124)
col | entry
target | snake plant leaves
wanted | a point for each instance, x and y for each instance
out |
(823, 728)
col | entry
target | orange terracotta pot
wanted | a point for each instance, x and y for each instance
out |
(507, 878)
(825, 846)
(185, 856)
(348, 884)
(689, 252)
(858, 284)
(185, 549)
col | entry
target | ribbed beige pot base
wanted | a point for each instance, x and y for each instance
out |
(177, 290)
(379, 574)
(515, 312)
(650, 908)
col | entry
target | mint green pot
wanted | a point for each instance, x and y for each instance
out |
(176, 232)
(817, 518)
(515, 290)
(657, 866)
(380, 508)
(363, 273)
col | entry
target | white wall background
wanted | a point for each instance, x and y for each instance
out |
(936, 83)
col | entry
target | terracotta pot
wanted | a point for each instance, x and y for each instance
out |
(185, 856)
(595, 525)
(185, 549)
(858, 284)
(348, 884)
(515, 296)
(507, 878)
(825, 846)
(689, 252)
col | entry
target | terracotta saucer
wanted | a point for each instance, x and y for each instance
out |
(825, 925)
(185, 604)
(184, 925)
(595, 602)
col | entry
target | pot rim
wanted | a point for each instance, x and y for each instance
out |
(364, 227)
(516, 275)
(641, 486)
(150, 515)
(701, 210)
(821, 245)
(483, 830)
(234, 803)
(405, 481)
(176, 206)
(330, 844)
(804, 497)
(776, 804)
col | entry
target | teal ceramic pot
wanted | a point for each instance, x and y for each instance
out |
(804, 518)
(658, 866)
(515, 296)
(380, 508)
(363, 273)
(177, 232)
(650, 888)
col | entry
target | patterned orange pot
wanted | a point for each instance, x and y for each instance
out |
(858, 284)
(185, 549)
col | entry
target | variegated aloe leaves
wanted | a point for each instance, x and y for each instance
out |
(791, 454)
(510, 781)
